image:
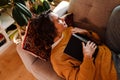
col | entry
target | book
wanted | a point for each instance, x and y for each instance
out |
(74, 46)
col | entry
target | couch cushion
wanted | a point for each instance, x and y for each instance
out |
(26, 57)
(97, 11)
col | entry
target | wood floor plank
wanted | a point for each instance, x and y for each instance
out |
(11, 66)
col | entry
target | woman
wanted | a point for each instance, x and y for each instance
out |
(53, 36)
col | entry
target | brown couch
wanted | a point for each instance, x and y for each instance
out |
(96, 11)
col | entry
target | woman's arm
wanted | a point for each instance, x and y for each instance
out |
(92, 35)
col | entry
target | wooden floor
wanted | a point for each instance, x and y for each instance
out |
(11, 67)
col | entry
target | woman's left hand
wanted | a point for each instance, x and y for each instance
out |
(79, 30)
(89, 49)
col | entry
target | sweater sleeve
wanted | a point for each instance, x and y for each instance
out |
(70, 69)
(87, 71)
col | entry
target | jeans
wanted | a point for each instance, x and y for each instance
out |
(113, 37)
(116, 59)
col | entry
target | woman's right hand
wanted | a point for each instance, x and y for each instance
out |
(79, 30)
(89, 49)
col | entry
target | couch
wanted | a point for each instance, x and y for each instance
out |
(96, 11)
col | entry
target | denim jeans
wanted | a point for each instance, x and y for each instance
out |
(113, 37)
(116, 59)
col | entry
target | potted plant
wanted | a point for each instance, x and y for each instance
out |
(24, 10)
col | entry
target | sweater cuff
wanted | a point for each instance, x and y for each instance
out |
(87, 62)
(88, 59)
(87, 68)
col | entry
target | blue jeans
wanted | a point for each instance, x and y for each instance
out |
(113, 37)
(116, 59)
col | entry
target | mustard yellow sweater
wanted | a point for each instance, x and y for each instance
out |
(72, 69)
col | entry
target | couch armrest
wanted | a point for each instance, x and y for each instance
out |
(43, 70)
(26, 57)
(61, 8)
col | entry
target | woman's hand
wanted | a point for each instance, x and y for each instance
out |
(79, 30)
(89, 49)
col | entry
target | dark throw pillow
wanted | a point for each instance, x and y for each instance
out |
(69, 19)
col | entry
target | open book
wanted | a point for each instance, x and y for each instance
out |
(74, 46)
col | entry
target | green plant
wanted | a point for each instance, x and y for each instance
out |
(38, 6)
(22, 13)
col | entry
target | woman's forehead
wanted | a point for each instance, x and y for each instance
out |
(53, 15)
